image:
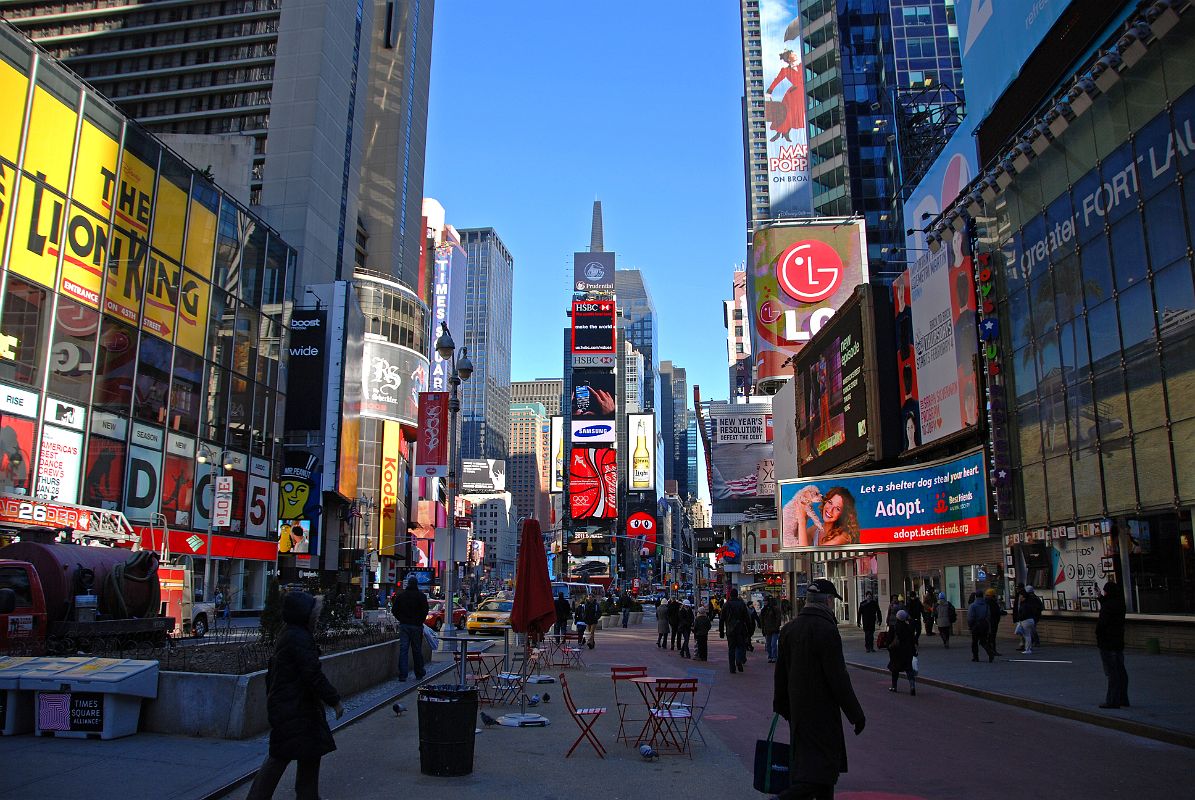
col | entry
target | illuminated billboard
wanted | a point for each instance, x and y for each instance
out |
(556, 446)
(593, 327)
(448, 305)
(641, 466)
(800, 275)
(393, 376)
(790, 192)
(594, 404)
(593, 483)
(928, 504)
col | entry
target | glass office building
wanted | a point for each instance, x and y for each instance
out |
(1097, 309)
(489, 292)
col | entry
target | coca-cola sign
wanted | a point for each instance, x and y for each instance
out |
(431, 446)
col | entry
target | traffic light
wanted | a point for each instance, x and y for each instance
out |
(676, 587)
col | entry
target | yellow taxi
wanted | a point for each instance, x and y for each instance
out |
(491, 617)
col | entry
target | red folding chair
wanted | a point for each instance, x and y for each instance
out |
(622, 704)
(672, 716)
(585, 719)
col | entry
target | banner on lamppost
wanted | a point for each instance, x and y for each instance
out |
(431, 444)
(222, 507)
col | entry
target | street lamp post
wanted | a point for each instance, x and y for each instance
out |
(462, 369)
(364, 512)
(205, 453)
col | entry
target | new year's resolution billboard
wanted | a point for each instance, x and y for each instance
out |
(943, 501)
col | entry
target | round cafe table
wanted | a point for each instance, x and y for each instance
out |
(463, 639)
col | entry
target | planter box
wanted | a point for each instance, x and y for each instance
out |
(636, 617)
(234, 706)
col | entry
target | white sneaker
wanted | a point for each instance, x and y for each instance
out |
(1028, 652)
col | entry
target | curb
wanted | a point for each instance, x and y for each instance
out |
(1167, 735)
(336, 725)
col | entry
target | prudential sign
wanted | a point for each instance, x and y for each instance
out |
(593, 272)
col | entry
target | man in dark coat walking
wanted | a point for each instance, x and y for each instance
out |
(1109, 637)
(673, 623)
(564, 612)
(769, 625)
(410, 609)
(733, 624)
(869, 616)
(901, 651)
(812, 692)
(296, 692)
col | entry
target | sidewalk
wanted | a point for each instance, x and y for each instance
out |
(1061, 680)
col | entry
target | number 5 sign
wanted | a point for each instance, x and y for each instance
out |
(258, 501)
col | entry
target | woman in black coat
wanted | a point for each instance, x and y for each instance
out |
(1109, 637)
(296, 692)
(901, 649)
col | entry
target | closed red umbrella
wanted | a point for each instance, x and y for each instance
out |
(534, 612)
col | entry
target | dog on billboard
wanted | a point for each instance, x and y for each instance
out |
(798, 513)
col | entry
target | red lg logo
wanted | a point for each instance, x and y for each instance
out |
(809, 271)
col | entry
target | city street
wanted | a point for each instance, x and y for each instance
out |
(938, 745)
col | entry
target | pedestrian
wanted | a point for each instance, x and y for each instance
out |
(219, 601)
(868, 617)
(591, 616)
(902, 648)
(927, 608)
(625, 603)
(685, 626)
(410, 609)
(915, 610)
(752, 625)
(673, 623)
(995, 612)
(296, 693)
(977, 622)
(1109, 637)
(769, 626)
(662, 626)
(564, 612)
(579, 618)
(732, 626)
(701, 632)
(945, 615)
(1031, 608)
(893, 606)
(812, 692)
(786, 609)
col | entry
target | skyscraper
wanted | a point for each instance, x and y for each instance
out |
(639, 312)
(485, 397)
(310, 87)
(545, 391)
(529, 460)
(737, 319)
(674, 425)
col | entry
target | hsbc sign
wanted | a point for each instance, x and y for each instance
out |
(584, 360)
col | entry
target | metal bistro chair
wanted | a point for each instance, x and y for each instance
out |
(585, 719)
(622, 704)
(672, 717)
(705, 688)
(508, 686)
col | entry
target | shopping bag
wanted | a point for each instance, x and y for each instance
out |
(433, 640)
(916, 665)
(772, 760)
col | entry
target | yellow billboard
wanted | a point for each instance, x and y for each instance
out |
(201, 231)
(161, 293)
(193, 296)
(170, 218)
(134, 196)
(126, 277)
(14, 86)
(38, 232)
(388, 490)
(96, 171)
(51, 140)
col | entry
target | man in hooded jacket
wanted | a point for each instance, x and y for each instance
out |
(812, 692)
(296, 692)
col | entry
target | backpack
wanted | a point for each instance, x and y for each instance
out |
(883, 640)
(953, 613)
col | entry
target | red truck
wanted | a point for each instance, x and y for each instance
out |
(58, 595)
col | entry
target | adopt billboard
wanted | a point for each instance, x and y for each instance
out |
(790, 191)
(933, 304)
(593, 272)
(593, 327)
(392, 378)
(800, 275)
(943, 501)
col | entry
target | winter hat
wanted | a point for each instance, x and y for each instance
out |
(902, 614)
(990, 593)
(941, 595)
(686, 604)
(1029, 590)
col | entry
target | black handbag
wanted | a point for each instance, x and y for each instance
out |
(772, 761)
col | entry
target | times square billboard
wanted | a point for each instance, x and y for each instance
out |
(790, 190)
(799, 276)
(115, 265)
(448, 306)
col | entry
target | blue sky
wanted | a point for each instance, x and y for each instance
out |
(539, 108)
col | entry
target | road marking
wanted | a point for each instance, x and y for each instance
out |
(1034, 661)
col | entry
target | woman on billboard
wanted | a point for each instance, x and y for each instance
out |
(840, 518)
(789, 114)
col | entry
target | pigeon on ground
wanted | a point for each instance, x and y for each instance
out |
(648, 752)
(533, 700)
(547, 697)
(399, 709)
(488, 720)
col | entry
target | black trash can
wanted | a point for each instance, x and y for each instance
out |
(447, 721)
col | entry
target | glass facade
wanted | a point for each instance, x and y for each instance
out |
(637, 308)
(485, 397)
(1097, 302)
(144, 320)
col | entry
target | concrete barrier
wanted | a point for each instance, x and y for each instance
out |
(234, 706)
